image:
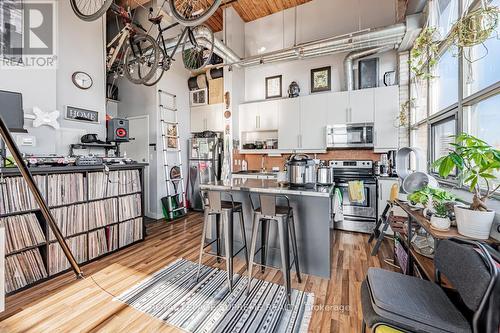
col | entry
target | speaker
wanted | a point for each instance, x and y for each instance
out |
(117, 130)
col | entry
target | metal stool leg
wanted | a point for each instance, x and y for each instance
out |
(264, 242)
(228, 240)
(243, 234)
(285, 255)
(291, 225)
(202, 247)
(255, 231)
(218, 232)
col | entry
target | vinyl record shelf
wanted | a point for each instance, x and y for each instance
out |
(128, 222)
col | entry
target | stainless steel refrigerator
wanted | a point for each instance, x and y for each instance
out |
(205, 166)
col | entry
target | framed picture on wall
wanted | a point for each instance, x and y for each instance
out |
(274, 86)
(368, 73)
(321, 79)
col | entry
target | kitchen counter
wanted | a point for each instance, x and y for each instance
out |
(312, 212)
(267, 186)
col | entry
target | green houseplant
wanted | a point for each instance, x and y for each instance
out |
(424, 53)
(476, 163)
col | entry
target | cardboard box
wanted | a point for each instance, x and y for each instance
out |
(216, 91)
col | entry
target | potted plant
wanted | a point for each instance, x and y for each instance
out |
(424, 53)
(476, 163)
(429, 197)
(440, 219)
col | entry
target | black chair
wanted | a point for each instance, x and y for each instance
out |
(410, 304)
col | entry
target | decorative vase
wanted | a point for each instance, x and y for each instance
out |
(440, 223)
(473, 223)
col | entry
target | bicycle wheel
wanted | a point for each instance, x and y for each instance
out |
(142, 57)
(198, 47)
(163, 66)
(193, 12)
(90, 10)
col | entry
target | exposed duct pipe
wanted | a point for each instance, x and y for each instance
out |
(349, 60)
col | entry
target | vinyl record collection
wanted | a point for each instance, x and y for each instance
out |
(102, 213)
(130, 207)
(15, 195)
(130, 231)
(71, 220)
(130, 181)
(57, 259)
(63, 189)
(22, 231)
(96, 212)
(23, 269)
(98, 244)
(103, 184)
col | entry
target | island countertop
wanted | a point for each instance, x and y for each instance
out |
(270, 186)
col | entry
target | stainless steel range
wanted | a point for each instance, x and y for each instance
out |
(359, 200)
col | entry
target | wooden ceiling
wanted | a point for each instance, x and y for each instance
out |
(250, 10)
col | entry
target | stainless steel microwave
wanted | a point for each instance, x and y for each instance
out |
(349, 136)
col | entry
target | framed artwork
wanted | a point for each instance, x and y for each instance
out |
(368, 73)
(273, 86)
(321, 79)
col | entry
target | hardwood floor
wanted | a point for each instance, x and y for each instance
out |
(65, 304)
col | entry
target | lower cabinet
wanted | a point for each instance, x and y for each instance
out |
(207, 118)
(384, 192)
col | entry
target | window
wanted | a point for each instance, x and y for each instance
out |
(419, 138)
(481, 63)
(418, 95)
(484, 120)
(441, 137)
(447, 14)
(445, 84)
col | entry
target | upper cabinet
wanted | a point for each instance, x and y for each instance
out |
(289, 124)
(313, 116)
(260, 116)
(361, 106)
(386, 105)
(207, 118)
(338, 108)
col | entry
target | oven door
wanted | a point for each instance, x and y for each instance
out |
(366, 209)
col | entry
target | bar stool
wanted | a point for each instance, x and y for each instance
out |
(215, 206)
(283, 216)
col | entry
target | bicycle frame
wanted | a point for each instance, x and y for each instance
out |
(122, 36)
(161, 39)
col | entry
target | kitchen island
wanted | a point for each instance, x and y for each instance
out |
(312, 209)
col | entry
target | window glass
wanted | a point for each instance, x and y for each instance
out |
(484, 120)
(418, 95)
(441, 136)
(447, 15)
(445, 84)
(481, 63)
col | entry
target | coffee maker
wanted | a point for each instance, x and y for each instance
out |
(391, 156)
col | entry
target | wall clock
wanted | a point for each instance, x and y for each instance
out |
(82, 80)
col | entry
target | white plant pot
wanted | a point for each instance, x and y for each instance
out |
(473, 223)
(440, 223)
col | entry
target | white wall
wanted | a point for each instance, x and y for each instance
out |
(52, 89)
(300, 71)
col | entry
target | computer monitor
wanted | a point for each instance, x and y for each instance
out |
(11, 110)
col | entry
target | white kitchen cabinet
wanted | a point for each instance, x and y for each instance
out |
(338, 107)
(361, 108)
(386, 104)
(289, 124)
(313, 117)
(207, 118)
(259, 116)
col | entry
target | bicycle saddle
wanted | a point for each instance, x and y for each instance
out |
(156, 20)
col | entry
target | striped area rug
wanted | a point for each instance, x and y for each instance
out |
(174, 296)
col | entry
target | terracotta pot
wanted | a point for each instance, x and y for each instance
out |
(473, 223)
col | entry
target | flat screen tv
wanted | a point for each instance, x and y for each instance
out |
(11, 110)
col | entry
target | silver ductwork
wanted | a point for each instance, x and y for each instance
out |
(349, 60)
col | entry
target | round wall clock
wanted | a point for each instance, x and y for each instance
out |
(82, 80)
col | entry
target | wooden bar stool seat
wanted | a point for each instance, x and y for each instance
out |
(224, 211)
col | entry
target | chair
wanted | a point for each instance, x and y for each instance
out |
(268, 212)
(215, 206)
(410, 304)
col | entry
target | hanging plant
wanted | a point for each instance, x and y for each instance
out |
(402, 120)
(423, 56)
(476, 27)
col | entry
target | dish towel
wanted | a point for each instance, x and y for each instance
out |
(337, 206)
(356, 191)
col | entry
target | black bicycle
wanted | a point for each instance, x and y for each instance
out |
(197, 47)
